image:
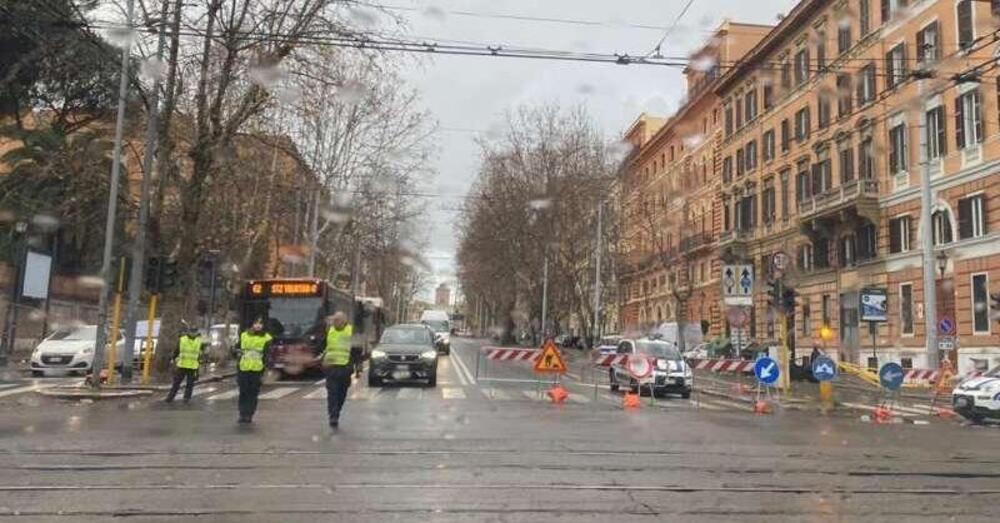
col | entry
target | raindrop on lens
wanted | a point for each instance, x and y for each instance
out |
(153, 69)
(122, 37)
(435, 13)
(266, 75)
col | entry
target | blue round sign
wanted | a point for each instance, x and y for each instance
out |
(824, 369)
(891, 376)
(766, 370)
(946, 326)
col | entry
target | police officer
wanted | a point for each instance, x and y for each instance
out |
(336, 363)
(187, 359)
(251, 351)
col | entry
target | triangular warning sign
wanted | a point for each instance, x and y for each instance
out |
(550, 360)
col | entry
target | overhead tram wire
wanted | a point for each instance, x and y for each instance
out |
(656, 50)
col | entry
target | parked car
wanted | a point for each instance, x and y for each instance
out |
(68, 351)
(670, 373)
(405, 352)
(608, 344)
(978, 398)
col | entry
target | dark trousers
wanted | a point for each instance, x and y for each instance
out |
(249, 383)
(338, 380)
(180, 375)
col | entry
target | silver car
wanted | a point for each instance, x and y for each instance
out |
(670, 373)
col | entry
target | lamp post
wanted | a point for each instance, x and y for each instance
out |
(10, 337)
(942, 263)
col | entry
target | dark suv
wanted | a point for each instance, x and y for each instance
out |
(405, 352)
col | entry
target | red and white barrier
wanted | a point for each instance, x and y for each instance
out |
(507, 354)
(931, 376)
(736, 366)
(607, 360)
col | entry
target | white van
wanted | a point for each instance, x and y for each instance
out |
(440, 323)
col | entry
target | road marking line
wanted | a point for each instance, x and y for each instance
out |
(19, 390)
(229, 394)
(469, 379)
(277, 393)
(496, 394)
(320, 382)
(532, 395)
(410, 394)
(730, 405)
(8, 385)
(911, 410)
(578, 398)
(318, 394)
(453, 393)
(198, 391)
(862, 406)
(706, 405)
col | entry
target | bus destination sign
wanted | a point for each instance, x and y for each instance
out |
(284, 288)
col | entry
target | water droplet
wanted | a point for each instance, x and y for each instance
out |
(153, 69)
(29, 429)
(365, 18)
(91, 281)
(73, 423)
(586, 88)
(123, 37)
(703, 63)
(539, 204)
(435, 13)
(694, 140)
(267, 75)
(351, 92)
(36, 315)
(289, 94)
(315, 438)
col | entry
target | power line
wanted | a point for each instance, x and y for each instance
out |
(528, 18)
(656, 50)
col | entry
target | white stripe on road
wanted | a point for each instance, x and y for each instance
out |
(496, 394)
(278, 393)
(912, 410)
(320, 382)
(410, 394)
(532, 395)
(198, 391)
(8, 385)
(19, 390)
(318, 394)
(452, 393)
(862, 406)
(706, 405)
(229, 394)
(578, 398)
(469, 379)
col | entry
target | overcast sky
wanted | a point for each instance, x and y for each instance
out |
(468, 95)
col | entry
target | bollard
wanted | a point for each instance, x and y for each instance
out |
(826, 395)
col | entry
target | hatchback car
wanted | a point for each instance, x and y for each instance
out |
(405, 352)
(68, 351)
(670, 373)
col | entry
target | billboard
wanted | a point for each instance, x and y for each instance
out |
(37, 270)
(874, 305)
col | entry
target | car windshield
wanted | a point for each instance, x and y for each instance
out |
(437, 325)
(613, 340)
(415, 336)
(289, 317)
(993, 373)
(81, 334)
(658, 349)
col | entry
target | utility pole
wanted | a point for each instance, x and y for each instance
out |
(597, 276)
(139, 246)
(927, 241)
(109, 226)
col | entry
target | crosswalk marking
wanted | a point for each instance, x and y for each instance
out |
(709, 406)
(410, 394)
(532, 395)
(452, 393)
(278, 393)
(18, 390)
(897, 410)
(7, 385)
(198, 391)
(229, 394)
(578, 398)
(496, 394)
(318, 394)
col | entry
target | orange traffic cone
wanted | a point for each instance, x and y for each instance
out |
(761, 407)
(630, 401)
(558, 394)
(882, 414)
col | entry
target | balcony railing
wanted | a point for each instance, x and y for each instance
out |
(690, 243)
(838, 196)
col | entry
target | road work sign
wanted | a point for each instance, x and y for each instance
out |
(824, 369)
(890, 376)
(550, 360)
(766, 370)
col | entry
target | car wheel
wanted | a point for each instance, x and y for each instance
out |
(37, 373)
(634, 387)
(433, 380)
(613, 385)
(374, 381)
(686, 395)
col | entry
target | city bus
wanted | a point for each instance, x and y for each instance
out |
(294, 312)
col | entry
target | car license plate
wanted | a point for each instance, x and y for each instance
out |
(400, 374)
(402, 368)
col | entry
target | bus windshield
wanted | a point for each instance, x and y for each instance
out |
(291, 317)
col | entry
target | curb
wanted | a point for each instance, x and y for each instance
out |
(75, 393)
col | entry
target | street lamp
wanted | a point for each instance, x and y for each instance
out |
(942, 261)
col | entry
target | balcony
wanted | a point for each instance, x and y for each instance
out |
(733, 243)
(859, 197)
(695, 242)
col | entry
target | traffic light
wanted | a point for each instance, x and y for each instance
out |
(788, 299)
(154, 274)
(773, 294)
(170, 274)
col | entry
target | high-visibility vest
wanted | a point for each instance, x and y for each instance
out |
(252, 345)
(188, 352)
(338, 346)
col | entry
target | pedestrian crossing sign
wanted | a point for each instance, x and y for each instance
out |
(550, 360)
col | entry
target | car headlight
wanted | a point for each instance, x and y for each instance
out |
(378, 354)
(428, 354)
(661, 364)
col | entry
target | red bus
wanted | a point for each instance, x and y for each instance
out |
(294, 312)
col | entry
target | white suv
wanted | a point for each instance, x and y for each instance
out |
(670, 373)
(978, 398)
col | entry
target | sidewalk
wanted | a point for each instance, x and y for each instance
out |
(117, 391)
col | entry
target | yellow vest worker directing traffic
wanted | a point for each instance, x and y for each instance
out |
(336, 362)
(251, 352)
(188, 358)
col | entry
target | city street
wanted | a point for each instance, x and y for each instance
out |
(469, 451)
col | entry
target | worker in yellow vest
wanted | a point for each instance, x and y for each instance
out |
(251, 356)
(336, 363)
(187, 358)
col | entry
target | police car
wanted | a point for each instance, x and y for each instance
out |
(670, 373)
(978, 398)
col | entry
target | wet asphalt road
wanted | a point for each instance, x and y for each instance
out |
(473, 450)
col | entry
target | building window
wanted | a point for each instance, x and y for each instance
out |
(820, 50)
(906, 308)
(867, 242)
(866, 85)
(785, 135)
(980, 304)
(727, 219)
(848, 249)
(890, 8)
(844, 95)
(900, 234)
(805, 257)
(741, 164)
(822, 175)
(801, 66)
(821, 254)
(727, 169)
(728, 119)
(827, 320)
(751, 155)
(806, 320)
(746, 213)
(937, 142)
(928, 44)
(844, 35)
(786, 75)
(768, 202)
(823, 111)
(864, 17)
(784, 194)
(895, 65)
(768, 145)
(966, 28)
(968, 120)
(866, 158)
(972, 217)
(897, 148)
(846, 161)
(738, 110)
(768, 91)
(750, 105)
(941, 223)
(802, 124)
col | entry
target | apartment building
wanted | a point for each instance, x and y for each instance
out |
(670, 218)
(827, 123)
